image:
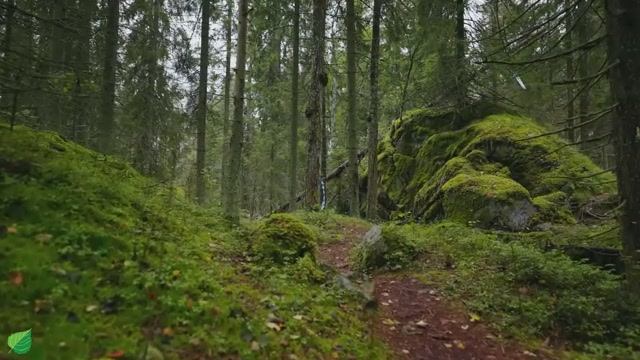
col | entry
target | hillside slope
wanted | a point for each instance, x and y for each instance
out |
(101, 262)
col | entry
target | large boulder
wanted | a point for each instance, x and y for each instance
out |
(486, 167)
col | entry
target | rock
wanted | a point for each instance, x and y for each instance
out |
(382, 246)
(282, 239)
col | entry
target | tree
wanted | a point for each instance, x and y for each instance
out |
(461, 63)
(293, 141)
(232, 205)
(352, 118)
(202, 104)
(624, 47)
(372, 120)
(313, 111)
(227, 100)
(107, 122)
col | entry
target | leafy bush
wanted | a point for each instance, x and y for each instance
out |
(282, 239)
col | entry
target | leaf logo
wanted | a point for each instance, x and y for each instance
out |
(20, 342)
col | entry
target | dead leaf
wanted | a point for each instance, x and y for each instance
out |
(167, 331)
(12, 230)
(274, 326)
(16, 278)
(448, 346)
(91, 308)
(422, 324)
(464, 327)
(116, 354)
(43, 238)
(529, 353)
(459, 344)
(405, 351)
(474, 317)
(255, 346)
(389, 322)
(298, 317)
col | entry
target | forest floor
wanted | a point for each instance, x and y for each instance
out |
(415, 320)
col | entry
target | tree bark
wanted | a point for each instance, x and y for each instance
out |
(227, 103)
(202, 104)
(624, 45)
(81, 114)
(570, 69)
(352, 108)
(107, 103)
(583, 73)
(313, 112)
(295, 94)
(372, 148)
(232, 206)
(461, 46)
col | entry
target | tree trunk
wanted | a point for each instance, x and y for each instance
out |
(583, 73)
(372, 148)
(624, 46)
(81, 113)
(461, 46)
(295, 74)
(313, 111)
(227, 104)
(570, 69)
(107, 122)
(232, 206)
(352, 118)
(202, 104)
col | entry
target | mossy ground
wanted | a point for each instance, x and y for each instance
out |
(97, 259)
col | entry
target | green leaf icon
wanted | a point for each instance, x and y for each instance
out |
(20, 342)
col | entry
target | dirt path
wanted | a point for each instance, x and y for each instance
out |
(416, 322)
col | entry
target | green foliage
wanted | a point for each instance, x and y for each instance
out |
(282, 239)
(306, 269)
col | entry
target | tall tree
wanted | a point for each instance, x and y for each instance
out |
(227, 101)
(81, 115)
(232, 205)
(623, 28)
(352, 109)
(372, 120)
(107, 103)
(570, 70)
(202, 104)
(293, 141)
(313, 111)
(461, 63)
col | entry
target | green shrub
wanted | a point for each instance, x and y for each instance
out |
(282, 239)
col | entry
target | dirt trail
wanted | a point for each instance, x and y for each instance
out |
(416, 322)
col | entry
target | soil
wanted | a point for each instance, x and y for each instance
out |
(416, 322)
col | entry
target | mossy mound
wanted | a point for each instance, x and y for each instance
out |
(486, 169)
(282, 239)
(97, 259)
(383, 247)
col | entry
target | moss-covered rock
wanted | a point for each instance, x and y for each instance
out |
(487, 167)
(282, 239)
(383, 247)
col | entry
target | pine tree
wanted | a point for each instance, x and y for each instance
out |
(372, 120)
(202, 104)
(352, 118)
(293, 141)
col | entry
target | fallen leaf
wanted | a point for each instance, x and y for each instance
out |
(448, 346)
(167, 331)
(464, 327)
(529, 353)
(459, 344)
(12, 230)
(421, 323)
(255, 346)
(274, 326)
(116, 354)
(474, 317)
(16, 278)
(405, 351)
(298, 317)
(91, 308)
(43, 238)
(389, 322)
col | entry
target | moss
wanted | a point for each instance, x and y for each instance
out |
(553, 208)
(487, 201)
(306, 269)
(498, 145)
(387, 248)
(283, 239)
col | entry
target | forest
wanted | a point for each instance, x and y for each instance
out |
(320, 179)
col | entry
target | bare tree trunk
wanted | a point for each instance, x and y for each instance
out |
(295, 95)
(314, 111)
(570, 75)
(624, 46)
(352, 108)
(81, 111)
(202, 104)
(372, 180)
(461, 46)
(107, 122)
(232, 206)
(583, 72)
(227, 104)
